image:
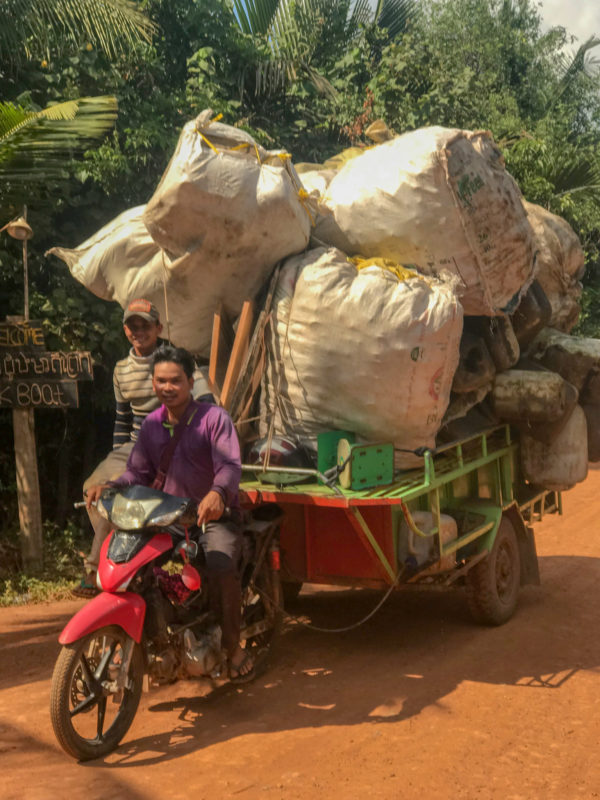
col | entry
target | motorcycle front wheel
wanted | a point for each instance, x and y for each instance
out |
(88, 718)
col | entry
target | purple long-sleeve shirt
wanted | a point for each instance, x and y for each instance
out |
(206, 457)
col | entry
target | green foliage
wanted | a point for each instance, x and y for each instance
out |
(309, 76)
(34, 27)
(62, 566)
(37, 146)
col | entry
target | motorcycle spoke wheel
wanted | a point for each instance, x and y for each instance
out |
(262, 605)
(88, 719)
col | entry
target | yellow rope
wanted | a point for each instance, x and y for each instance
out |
(210, 144)
(303, 197)
(402, 273)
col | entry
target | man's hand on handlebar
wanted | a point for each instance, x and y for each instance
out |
(93, 494)
(210, 508)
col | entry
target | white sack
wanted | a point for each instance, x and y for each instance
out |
(561, 464)
(316, 181)
(574, 358)
(559, 265)
(120, 262)
(219, 221)
(440, 199)
(359, 351)
(233, 206)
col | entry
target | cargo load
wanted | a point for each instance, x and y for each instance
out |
(120, 262)
(225, 212)
(562, 463)
(367, 350)
(559, 265)
(367, 338)
(526, 397)
(234, 207)
(440, 199)
(576, 359)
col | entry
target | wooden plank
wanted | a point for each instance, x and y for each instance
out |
(238, 353)
(40, 393)
(220, 351)
(247, 371)
(254, 359)
(214, 354)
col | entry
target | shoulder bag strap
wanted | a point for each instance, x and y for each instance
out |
(166, 456)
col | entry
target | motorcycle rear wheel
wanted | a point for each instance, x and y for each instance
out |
(89, 722)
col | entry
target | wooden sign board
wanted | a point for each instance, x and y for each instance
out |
(22, 336)
(41, 393)
(31, 376)
(20, 364)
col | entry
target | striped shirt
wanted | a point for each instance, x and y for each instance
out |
(135, 398)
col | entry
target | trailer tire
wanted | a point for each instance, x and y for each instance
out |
(493, 584)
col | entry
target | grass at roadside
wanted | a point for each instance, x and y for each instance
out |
(62, 566)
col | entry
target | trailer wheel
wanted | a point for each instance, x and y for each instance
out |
(493, 584)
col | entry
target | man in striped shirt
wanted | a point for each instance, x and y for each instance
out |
(135, 399)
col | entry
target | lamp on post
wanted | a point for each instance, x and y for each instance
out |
(20, 229)
(28, 484)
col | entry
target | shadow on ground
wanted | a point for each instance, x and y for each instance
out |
(415, 652)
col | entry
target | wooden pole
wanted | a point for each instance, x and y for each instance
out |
(25, 272)
(28, 482)
(28, 489)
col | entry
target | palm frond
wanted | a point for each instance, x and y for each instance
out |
(320, 82)
(395, 15)
(273, 74)
(37, 146)
(577, 173)
(572, 68)
(255, 16)
(362, 13)
(110, 25)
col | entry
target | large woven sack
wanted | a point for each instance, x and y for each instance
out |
(359, 350)
(574, 358)
(562, 463)
(440, 199)
(120, 261)
(559, 265)
(236, 208)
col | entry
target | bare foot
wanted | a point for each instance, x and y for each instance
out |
(241, 666)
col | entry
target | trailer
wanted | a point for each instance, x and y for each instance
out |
(463, 519)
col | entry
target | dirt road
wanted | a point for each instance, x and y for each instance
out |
(418, 703)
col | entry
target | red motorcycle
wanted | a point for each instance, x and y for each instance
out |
(153, 617)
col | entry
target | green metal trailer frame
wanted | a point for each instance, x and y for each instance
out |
(476, 480)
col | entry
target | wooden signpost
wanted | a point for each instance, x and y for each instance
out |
(32, 377)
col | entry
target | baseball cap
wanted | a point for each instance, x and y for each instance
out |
(141, 308)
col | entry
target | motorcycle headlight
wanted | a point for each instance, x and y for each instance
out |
(131, 514)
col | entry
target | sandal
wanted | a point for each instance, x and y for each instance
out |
(235, 672)
(87, 586)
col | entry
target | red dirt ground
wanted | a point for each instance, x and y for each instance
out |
(417, 703)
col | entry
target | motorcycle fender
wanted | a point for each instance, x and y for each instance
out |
(126, 609)
(114, 577)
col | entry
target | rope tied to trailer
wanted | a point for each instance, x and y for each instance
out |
(346, 628)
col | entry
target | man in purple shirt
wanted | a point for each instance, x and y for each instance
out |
(206, 467)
